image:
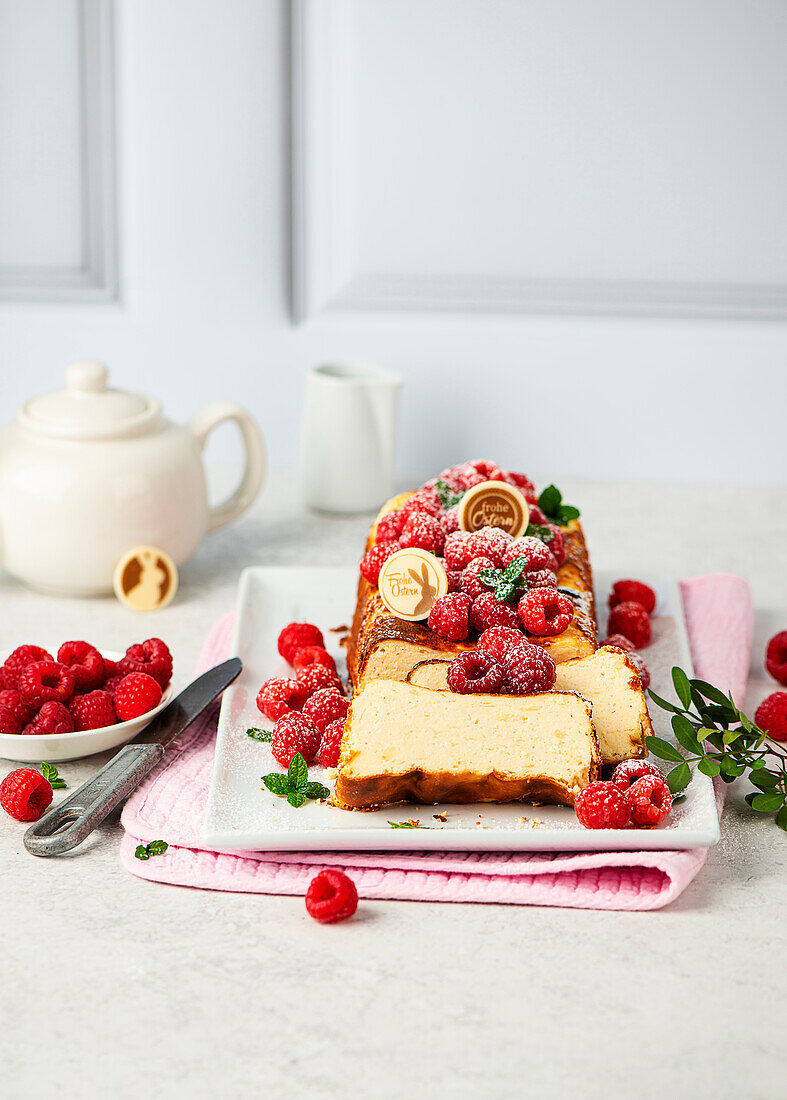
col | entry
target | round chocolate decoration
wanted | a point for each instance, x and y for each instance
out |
(411, 582)
(494, 504)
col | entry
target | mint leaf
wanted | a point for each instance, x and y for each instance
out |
(316, 790)
(448, 498)
(277, 783)
(296, 799)
(406, 825)
(50, 772)
(539, 532)
(663, 749)
(157, 847)
(298, 771)
(259, 735)
(141, 852)
(551, 504)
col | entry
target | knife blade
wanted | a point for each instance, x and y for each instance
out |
(69, 823)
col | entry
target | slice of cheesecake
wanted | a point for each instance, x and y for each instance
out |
(404, 743)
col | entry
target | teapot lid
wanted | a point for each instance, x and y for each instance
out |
(88, 409)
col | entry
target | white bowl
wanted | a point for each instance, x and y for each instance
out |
(56, 747)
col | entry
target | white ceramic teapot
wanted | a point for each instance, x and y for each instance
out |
(89, 472)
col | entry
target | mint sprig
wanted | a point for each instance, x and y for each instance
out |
(551, 504)
(258, 734)
(294, 784)
(50, 772)
(720, 740)
(504, 581)
(448, 498)
(155, 848)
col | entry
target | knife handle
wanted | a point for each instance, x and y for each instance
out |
(68, 824)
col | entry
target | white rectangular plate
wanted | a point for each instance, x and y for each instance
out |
(242, 815)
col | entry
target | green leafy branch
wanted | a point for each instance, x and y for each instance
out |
(155, 848)
(721, 741)
(294, 784)
(448, 498)
(551, 504)
(50, 772)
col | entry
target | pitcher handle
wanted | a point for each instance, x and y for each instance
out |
(201, 425)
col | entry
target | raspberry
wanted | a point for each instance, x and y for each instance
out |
(425, 502)
(557, 543)
(545, 612)
(536, 553)
(776, 657)
(650, 800)
(623, 591)
(497, 640)
(601, 805)
(371, 564)
(51, 718)
(279, 696)
(629, 771)
(771, 715)
(423, 532)
(464, 477)
(313, 655)
(389, 527)
(631, 620)
(22, 657)
(331, 744)
(10, 721)
(488, 611)
(110, 685)
(522, 483)
(297, 635)
(528, 670)
(621, 642)
(449, 617)
(475, 671)
(470, 582)
(454, 578)
(489, 471)
(25, 794)
(537, 517)
(136, 694)
(11, 700)
(324, 707)
(642, 669)
(44, 682)
(457, 554)
(489, 542)
(541, 578)
(450, 521)
(95, 709)
(315, 677)
(152, 658)
(111, 668)
(331, 896)
(85, 662)
(294, 733)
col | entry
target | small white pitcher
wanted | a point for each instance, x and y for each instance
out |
(348, 437)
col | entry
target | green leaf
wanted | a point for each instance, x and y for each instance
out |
(406, 825)
(781, 818)
(765, 780)
(709, 767)
(730, 770)
(767, 803)
(141, 852)
(684, 732)
(50, 772)
(539, 532)
(296, 799)
(663, 749)
(298, 771)
(663, 703)
(729, 736)
(448, 498)
(316, 790)
(277, 783)
(157, 847)
(259, 735)
(682, 686)
(550, 500)
(708, 691)
(678, 779)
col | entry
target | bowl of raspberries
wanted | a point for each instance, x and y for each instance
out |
(73, 700)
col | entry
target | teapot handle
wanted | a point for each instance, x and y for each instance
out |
(201, 425)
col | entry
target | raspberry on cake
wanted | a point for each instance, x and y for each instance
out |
(488, 611)
(498, 640)
(470, 582)
(534, 551)
(457, 553)
(371, 564)
(475, 671)
(528, 669)
(545, 612)
(423, 532)
(489, 542)
(449, 616)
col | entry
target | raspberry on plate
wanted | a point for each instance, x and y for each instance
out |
(371, 564)
(533, 550)
(95, 709)
(621, 642)
(313, 655)
(650, 800)
(601, 805)
(449, 616)
(297, 635)
(776, 657)
(332, 743)
(475, 671)
(389, 527)
(456, 551)
(489, 542)
(771, 716)
(22, 656)
(629, 771)
(44, 682)
(51, 718)
(528, 670)
(470, 582)
(331, 896)
(135, 695)
(545, 612)
(423, 532)
(294, 733)
(278, 696)
(25, 794)
(314, 677)
(498, 640)
(488, 611)
(324, 707)
(636, 591)
(85, 662)
(631, 620)
(151, 657)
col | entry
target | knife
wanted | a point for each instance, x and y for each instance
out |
(76, 817)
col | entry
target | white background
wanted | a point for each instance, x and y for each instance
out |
(563, 221)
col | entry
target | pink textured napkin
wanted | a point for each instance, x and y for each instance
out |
(171, 804)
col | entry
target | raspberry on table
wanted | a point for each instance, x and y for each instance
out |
(522, 483)
(630, 590)
(601, 805)
(650, 800)
(489, 542)
(621, 642)
(44, 682)
(151, 657)
(776, 657)
(278, 696)
(528, 670)
(771, 716)
(456, 552)
(324, 707)
(389, 527)
(631, 620)
(95, 709)
(313, 655)
(371, 564)
(331, 896)
(25, 794)
(488, 611)
(22, 656)
(423, 532)
(85, 662)
(314, 677)
(475, 671)
(545, 612)
(629, 771)
(51, 718)
(136, 694)
(332, 743)
(297, 635)
(535, 552)
(470, 582)
(498, 640)
(294, 733)
(449, 616)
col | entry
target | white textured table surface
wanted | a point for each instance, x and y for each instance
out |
(112, 986)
